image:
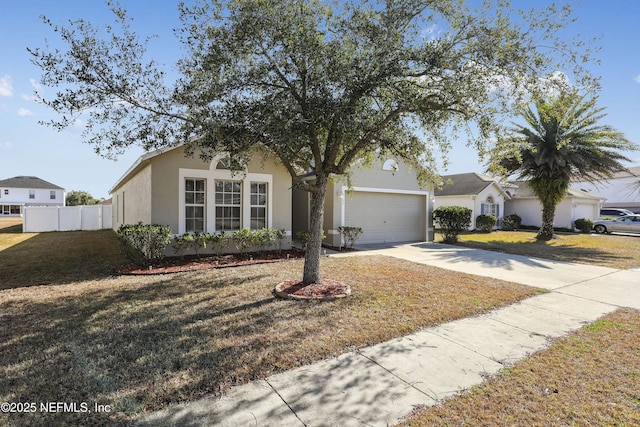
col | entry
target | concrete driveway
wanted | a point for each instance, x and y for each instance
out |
(603, 284)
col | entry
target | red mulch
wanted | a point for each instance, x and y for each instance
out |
(326, 289)
(204, 262)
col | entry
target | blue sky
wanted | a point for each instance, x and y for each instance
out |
(28, 148)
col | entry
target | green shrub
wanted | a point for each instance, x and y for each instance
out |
(264, 238)
(243, 239)
(221, 242)
(511, 222)
(350, 235)
(303, 236)
(144, 244)
(486, 222)
(191, 242)
(453, 220)
(585, 225)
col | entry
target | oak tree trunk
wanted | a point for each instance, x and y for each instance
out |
(312, 256)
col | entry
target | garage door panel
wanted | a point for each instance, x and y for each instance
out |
(386, 217)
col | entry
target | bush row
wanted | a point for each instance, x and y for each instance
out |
(453, 220)
(145, 245)
(241, 240)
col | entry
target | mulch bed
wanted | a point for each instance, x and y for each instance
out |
(327, 289)
(203, 262)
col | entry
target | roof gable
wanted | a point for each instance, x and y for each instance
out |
(465, 184)
(31, 182)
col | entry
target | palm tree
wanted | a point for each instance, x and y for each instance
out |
(560, 141)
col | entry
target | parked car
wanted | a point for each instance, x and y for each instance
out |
(615, 212)
(623, 224)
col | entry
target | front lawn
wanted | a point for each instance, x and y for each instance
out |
(141, 343)
(595, 249)
(589, 378)
(28, 259)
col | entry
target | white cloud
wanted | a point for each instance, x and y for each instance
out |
(24, 112)
(7, 145)
(637, 78)
(6, 87)
(37, 92)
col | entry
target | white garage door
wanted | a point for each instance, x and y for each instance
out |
(386, 217)
(584, 211)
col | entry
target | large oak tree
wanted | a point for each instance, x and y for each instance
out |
(320, 85)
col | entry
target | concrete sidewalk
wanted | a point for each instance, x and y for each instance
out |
(379, 385)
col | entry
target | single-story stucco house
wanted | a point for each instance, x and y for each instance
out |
(576, 204)
(190, 194)
(480, 193)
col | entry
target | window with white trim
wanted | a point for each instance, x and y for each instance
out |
(32, 194)
(194, 205)
(228, 202)
(52, 195)
(490, 208)
(258, 205)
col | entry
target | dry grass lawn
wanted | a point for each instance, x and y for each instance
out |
(10, 225)
(71, 332)
(590, 378)
(616, 251)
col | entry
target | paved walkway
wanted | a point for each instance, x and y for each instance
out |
(379, 385)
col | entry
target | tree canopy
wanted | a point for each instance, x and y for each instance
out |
(77, 198)
(320, 85)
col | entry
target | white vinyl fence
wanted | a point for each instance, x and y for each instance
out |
(39, 219)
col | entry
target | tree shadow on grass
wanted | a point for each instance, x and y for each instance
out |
(544, 250)
(59, 258)
(138, 344)
(461, 254)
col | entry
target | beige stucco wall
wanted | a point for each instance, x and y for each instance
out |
(153, 195)
(165, 185)
(373, 176)
(300, 211)
(132, 201)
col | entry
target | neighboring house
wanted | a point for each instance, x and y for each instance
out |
(188, 194)
(620, 191)
(480, 193)
(576, 204)
(21, 191)
(384, 199)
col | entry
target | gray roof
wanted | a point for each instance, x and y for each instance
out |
(524, 191)
(32, 182)
(463, 184)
